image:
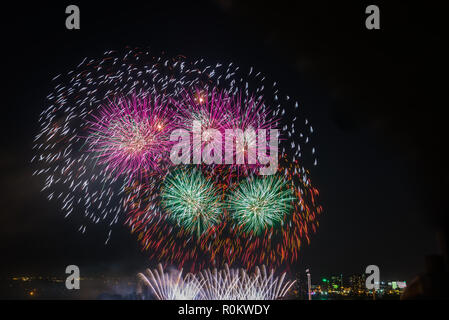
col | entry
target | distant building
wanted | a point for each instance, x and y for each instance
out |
(300, 289)
(357, 284)
(336, 283)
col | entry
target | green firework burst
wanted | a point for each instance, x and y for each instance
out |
(191, 200)
(260, 203)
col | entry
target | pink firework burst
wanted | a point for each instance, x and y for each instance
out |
(131, 136)
(225, 112)
(212, 110)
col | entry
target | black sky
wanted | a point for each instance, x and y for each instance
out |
(374, 98)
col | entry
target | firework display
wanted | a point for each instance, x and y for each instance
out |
(240, 192)
(232, 241)
(225, 284)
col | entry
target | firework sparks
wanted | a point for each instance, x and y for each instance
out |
(278, 246)
(260, 203)
(131, 136)
(225, 284)
(170, 286)
(191, 200)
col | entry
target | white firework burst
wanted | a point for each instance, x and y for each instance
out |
(225, 284)
(170, 285)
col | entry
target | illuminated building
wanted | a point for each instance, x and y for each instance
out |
(357, 284)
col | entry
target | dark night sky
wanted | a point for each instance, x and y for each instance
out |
(372, 96)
